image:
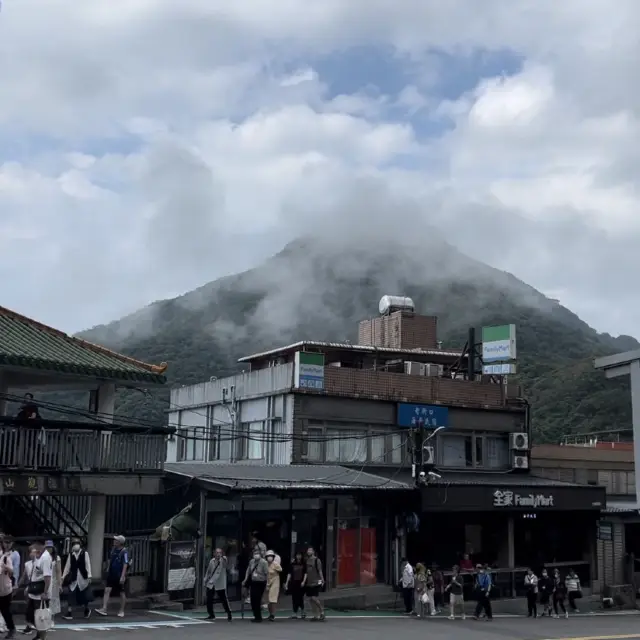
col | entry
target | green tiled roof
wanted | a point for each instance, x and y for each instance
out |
(27, 343)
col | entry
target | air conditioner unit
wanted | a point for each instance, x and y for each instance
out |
(520, 462)
(519, 442)
(414, 368)
(429, 456)
(433, 370)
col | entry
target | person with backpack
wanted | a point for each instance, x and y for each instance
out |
(483, 592)
(312, 582)
(76, 578)
(117, 567)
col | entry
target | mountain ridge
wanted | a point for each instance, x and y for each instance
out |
(320, 288)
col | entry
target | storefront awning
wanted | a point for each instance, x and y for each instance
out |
(504, 492)
(228, 478)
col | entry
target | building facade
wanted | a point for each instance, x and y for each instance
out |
(391, 407)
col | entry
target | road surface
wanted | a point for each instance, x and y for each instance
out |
(354, 626)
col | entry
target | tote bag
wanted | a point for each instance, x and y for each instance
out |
(42, 618)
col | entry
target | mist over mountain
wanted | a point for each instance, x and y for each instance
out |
(320, 287)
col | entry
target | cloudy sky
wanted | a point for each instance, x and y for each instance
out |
(149, 146)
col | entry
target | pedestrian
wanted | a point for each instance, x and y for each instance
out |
(430, 593)
(531, 587)
(420, 590)
(56, 578)
(483, 592)
(438, 585)
(6, 589)
(559, 594)
(313, 583)
(456, 593)
(38, 572)
(117, 567)
(76, 579)
(407, 584)
(293, 585)
(215, 583)
(255, 582)
(574, 590)
(545, 590)
(15, 560)
(273, 583)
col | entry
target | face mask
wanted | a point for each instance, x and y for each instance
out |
(75, 548)
(256, 556)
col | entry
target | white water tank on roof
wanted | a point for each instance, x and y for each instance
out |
(389, 304)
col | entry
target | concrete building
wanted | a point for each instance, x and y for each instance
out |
(57, 474)
(312, 419)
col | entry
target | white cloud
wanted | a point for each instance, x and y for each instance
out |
(151, 145)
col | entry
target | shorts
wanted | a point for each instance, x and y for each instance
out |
(456, 598)
(115, 586)
(313, 592)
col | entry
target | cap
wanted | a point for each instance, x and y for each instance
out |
(48, 543)
(120, 539)
(270, 553)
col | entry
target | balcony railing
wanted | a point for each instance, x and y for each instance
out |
(45, 445)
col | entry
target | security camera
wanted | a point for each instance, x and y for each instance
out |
(434, 476)
(422, 474)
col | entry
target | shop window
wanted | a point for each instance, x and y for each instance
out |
(345, 446)
(605, 480)
(378, 444)
(397, 448)
(191, 444)
(497, 452)
(314, 445)
(256, 444)
(456, 451)
(631, 483)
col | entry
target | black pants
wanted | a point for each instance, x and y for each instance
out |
(407, 596)
(558, 601)
(5, 610)
(532, 605)
(297, 596)
(438, 599)
(484, 604)
(222, 596)
(573, 596)
(256, 591)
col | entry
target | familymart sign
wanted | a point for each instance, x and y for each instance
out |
(499, 343)
(525, 500)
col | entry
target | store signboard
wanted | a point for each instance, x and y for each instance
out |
(309, 371)
(428, 416)
(182, 566)
(499, 343)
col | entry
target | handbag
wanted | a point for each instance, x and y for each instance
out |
(42, 618)
(34, 588)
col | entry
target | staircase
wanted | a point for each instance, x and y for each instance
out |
(38, 516)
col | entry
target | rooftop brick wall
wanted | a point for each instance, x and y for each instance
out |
(400, 387)
(400, 330)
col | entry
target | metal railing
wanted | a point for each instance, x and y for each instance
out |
(139, 550)
(79, 448)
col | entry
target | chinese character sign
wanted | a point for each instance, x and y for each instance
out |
(422, 415)
(529, 501)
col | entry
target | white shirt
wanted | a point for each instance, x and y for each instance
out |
(39, 569)
(408, 578)
(80, 582)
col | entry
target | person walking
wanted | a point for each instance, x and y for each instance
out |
(273, 583)
(117, 567)
(76, 577)
(545, 590)
(56, 578)
(431, 606)
(483, 591)
(574, 590)
(407, 584)
(531, 587)
(6, 589)
(456, 593)
(215, 583)
(313, 583)
(293, 585)
(438, 586)
(420, 591)
(559, 594)
(38, 572)
(255, 581)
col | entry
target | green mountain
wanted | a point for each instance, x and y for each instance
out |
(316, 289)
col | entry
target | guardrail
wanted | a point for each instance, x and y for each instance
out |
(80, 448)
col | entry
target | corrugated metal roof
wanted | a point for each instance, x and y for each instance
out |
(474, 478)
(621, 506)
(246, 477)
(297, 346)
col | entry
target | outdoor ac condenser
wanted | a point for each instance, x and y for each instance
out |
(520, 462)
(519, 442)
